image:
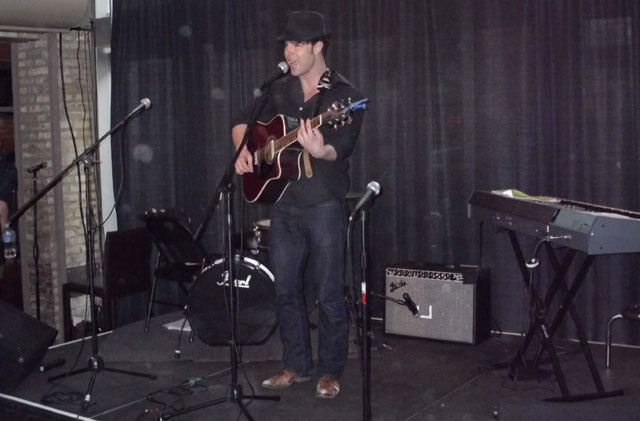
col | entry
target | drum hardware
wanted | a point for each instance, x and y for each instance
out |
(256, 240)
(261, 234)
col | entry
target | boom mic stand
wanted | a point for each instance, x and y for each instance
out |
(95, 363)
(224, 192)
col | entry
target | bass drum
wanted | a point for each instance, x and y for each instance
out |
(208, 306)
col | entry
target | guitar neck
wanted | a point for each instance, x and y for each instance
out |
(292, 136)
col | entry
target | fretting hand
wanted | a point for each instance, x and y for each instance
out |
(312, 141)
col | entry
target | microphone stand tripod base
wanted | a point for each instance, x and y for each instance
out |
(95, 364)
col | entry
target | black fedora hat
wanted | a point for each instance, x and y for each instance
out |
(305, 25)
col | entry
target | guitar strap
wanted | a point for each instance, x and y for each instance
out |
(308, 171)
(324, 84)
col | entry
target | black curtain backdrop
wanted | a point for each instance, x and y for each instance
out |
(542, 96)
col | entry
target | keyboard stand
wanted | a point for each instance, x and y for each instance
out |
(545, 331)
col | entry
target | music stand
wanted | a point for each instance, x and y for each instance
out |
(179, 258)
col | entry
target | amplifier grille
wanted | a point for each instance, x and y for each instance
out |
(453, 301)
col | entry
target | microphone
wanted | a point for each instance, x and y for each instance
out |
(413, 308)
(52, 364)
(38, 167)
(373, 188)
(145, 104)
(282, 70)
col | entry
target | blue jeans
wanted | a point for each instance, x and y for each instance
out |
(307, 244)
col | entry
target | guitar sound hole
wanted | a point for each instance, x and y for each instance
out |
(270, 152)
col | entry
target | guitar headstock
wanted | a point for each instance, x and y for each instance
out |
(339, 114)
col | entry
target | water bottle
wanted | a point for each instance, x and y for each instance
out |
(9, 241)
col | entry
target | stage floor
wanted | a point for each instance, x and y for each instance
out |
(411, 379)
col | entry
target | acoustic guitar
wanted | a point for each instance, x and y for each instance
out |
(274, 164)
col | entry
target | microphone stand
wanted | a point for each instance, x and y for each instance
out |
(366, 321)
(95, 363)
(365, 317)
(36, 248)
(234, 393)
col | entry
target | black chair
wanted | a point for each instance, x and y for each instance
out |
(127, 271)
(179, 258)
(629, 313)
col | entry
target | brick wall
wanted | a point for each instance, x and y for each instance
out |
(78, 91)
(42, 134)
(33, 144)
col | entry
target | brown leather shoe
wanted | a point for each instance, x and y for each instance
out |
(327, 388)
(284, 379)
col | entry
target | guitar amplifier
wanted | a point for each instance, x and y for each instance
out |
(453, 301)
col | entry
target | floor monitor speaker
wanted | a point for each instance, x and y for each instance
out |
(23, 342)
